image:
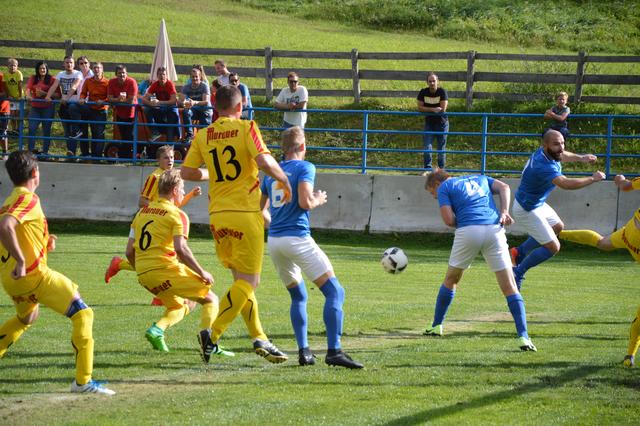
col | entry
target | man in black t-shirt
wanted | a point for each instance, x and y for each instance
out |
(434, 100)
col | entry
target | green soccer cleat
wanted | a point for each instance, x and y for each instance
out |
(526, 345)
(220, 351)
(629, 361)
(155, 336)
(435, 330)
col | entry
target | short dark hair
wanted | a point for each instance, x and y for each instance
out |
(120, 68)
(227, 97)
(20, 166)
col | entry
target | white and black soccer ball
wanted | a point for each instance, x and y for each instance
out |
(394, 260)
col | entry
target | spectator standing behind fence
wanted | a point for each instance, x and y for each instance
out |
(434, 100)
(558, 115)
(203, 75)
(95, 89)
(123, 90)
(247, 111)
(13, 80)
(293, 99)
(222, 72)
(5, 112)
(160, 105)
(37, 87)
(68, 81)
(196, 103)
(84, 66)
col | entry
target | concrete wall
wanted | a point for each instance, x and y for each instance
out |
(356, 202)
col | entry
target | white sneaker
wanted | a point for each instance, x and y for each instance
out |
(91, 387)
(526, 345)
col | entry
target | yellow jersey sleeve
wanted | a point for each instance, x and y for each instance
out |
(32, 232)
(153, 230)
(150, 187)
(228, 148)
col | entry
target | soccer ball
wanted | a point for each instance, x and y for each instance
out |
(394, 260)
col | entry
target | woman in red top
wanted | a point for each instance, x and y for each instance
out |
(37, 88)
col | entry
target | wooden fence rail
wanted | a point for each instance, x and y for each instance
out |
(356, 74)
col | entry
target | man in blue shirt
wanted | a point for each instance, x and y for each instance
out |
(541, 174)
(293, 250)
(466, 203)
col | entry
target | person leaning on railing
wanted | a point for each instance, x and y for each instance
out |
(123, 90)
(95, 91)
(160, 105)
(37, 87)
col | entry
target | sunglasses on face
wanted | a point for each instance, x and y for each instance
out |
(293, 81)
(233, 81)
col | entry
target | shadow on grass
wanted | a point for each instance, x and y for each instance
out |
(544, 382)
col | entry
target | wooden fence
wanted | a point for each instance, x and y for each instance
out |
(356, 73)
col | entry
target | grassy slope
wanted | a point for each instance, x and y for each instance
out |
(472, 375)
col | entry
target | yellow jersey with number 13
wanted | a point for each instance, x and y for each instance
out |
(228, 148)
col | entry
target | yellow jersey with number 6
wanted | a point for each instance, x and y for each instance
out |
(228, 148)
(153, 229)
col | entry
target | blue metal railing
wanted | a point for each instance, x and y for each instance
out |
(366, 147)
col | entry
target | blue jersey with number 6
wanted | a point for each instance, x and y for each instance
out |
(470, 199)
(289, 220)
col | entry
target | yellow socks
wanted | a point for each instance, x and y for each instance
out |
(582, 236)
(172, 316)
(10, 332)
(634, 335)
(82, 340)
(252, 319)
(125, 265)
(208, 314)
(230, 306)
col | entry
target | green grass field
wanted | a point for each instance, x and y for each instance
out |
(579, 307)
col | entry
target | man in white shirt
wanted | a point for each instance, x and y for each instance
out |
(293, 100)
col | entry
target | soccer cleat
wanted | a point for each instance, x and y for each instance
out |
(335, 357)
(155, 336)
(526, 345)
(92, 387)
(306, 357)
(518, 278)
(629, 361)
(156, 302)
(113, 269)
(206, 345)
(435, 330)
(513, 251)
(269, 351)
(220, 351)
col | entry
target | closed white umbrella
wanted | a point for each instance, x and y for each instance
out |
(162, 56)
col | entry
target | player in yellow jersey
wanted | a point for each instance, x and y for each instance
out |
(166, 267)
(28, 280)
(149, 193)
(627, 237)
(233, 151)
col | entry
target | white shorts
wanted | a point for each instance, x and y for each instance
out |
(538, 222)
(473, 239)
(290, 255)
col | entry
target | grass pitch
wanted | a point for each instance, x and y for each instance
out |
(579, 306)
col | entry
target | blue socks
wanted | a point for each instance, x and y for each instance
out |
(535, 258)
(298, 313)
(332, 313)
(526, 247)
(445, 297)
(516, 306)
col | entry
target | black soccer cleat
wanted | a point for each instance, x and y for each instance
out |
(269, 351)
(306, 357)
(335, 357)
(206, 345)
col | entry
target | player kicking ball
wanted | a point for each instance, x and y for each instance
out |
(158, 250)
(28, 280)
(466, 203)
(627, 237)
(293, 250)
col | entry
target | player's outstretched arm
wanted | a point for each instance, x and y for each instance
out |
(308, 198)
(10, 242)
(504, 193)
(577, 183)
(570, 157)
(185, 255)
(195, 192)
(268, 164)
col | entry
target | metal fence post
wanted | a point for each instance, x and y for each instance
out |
(483, 155)
(607, 168)
(135, 136)
(268, 73)
(471, 59)
(355, 75)
(365, 140)
(21, 125)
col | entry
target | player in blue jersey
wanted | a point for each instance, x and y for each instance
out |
(293, 250)
(541, 174)
(466, 203)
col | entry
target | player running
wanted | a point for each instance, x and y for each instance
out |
(166, 267)
(627, 237)
(233, 151)
(541, 174)
(466, 203)
(28, 280)
(292, 249)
